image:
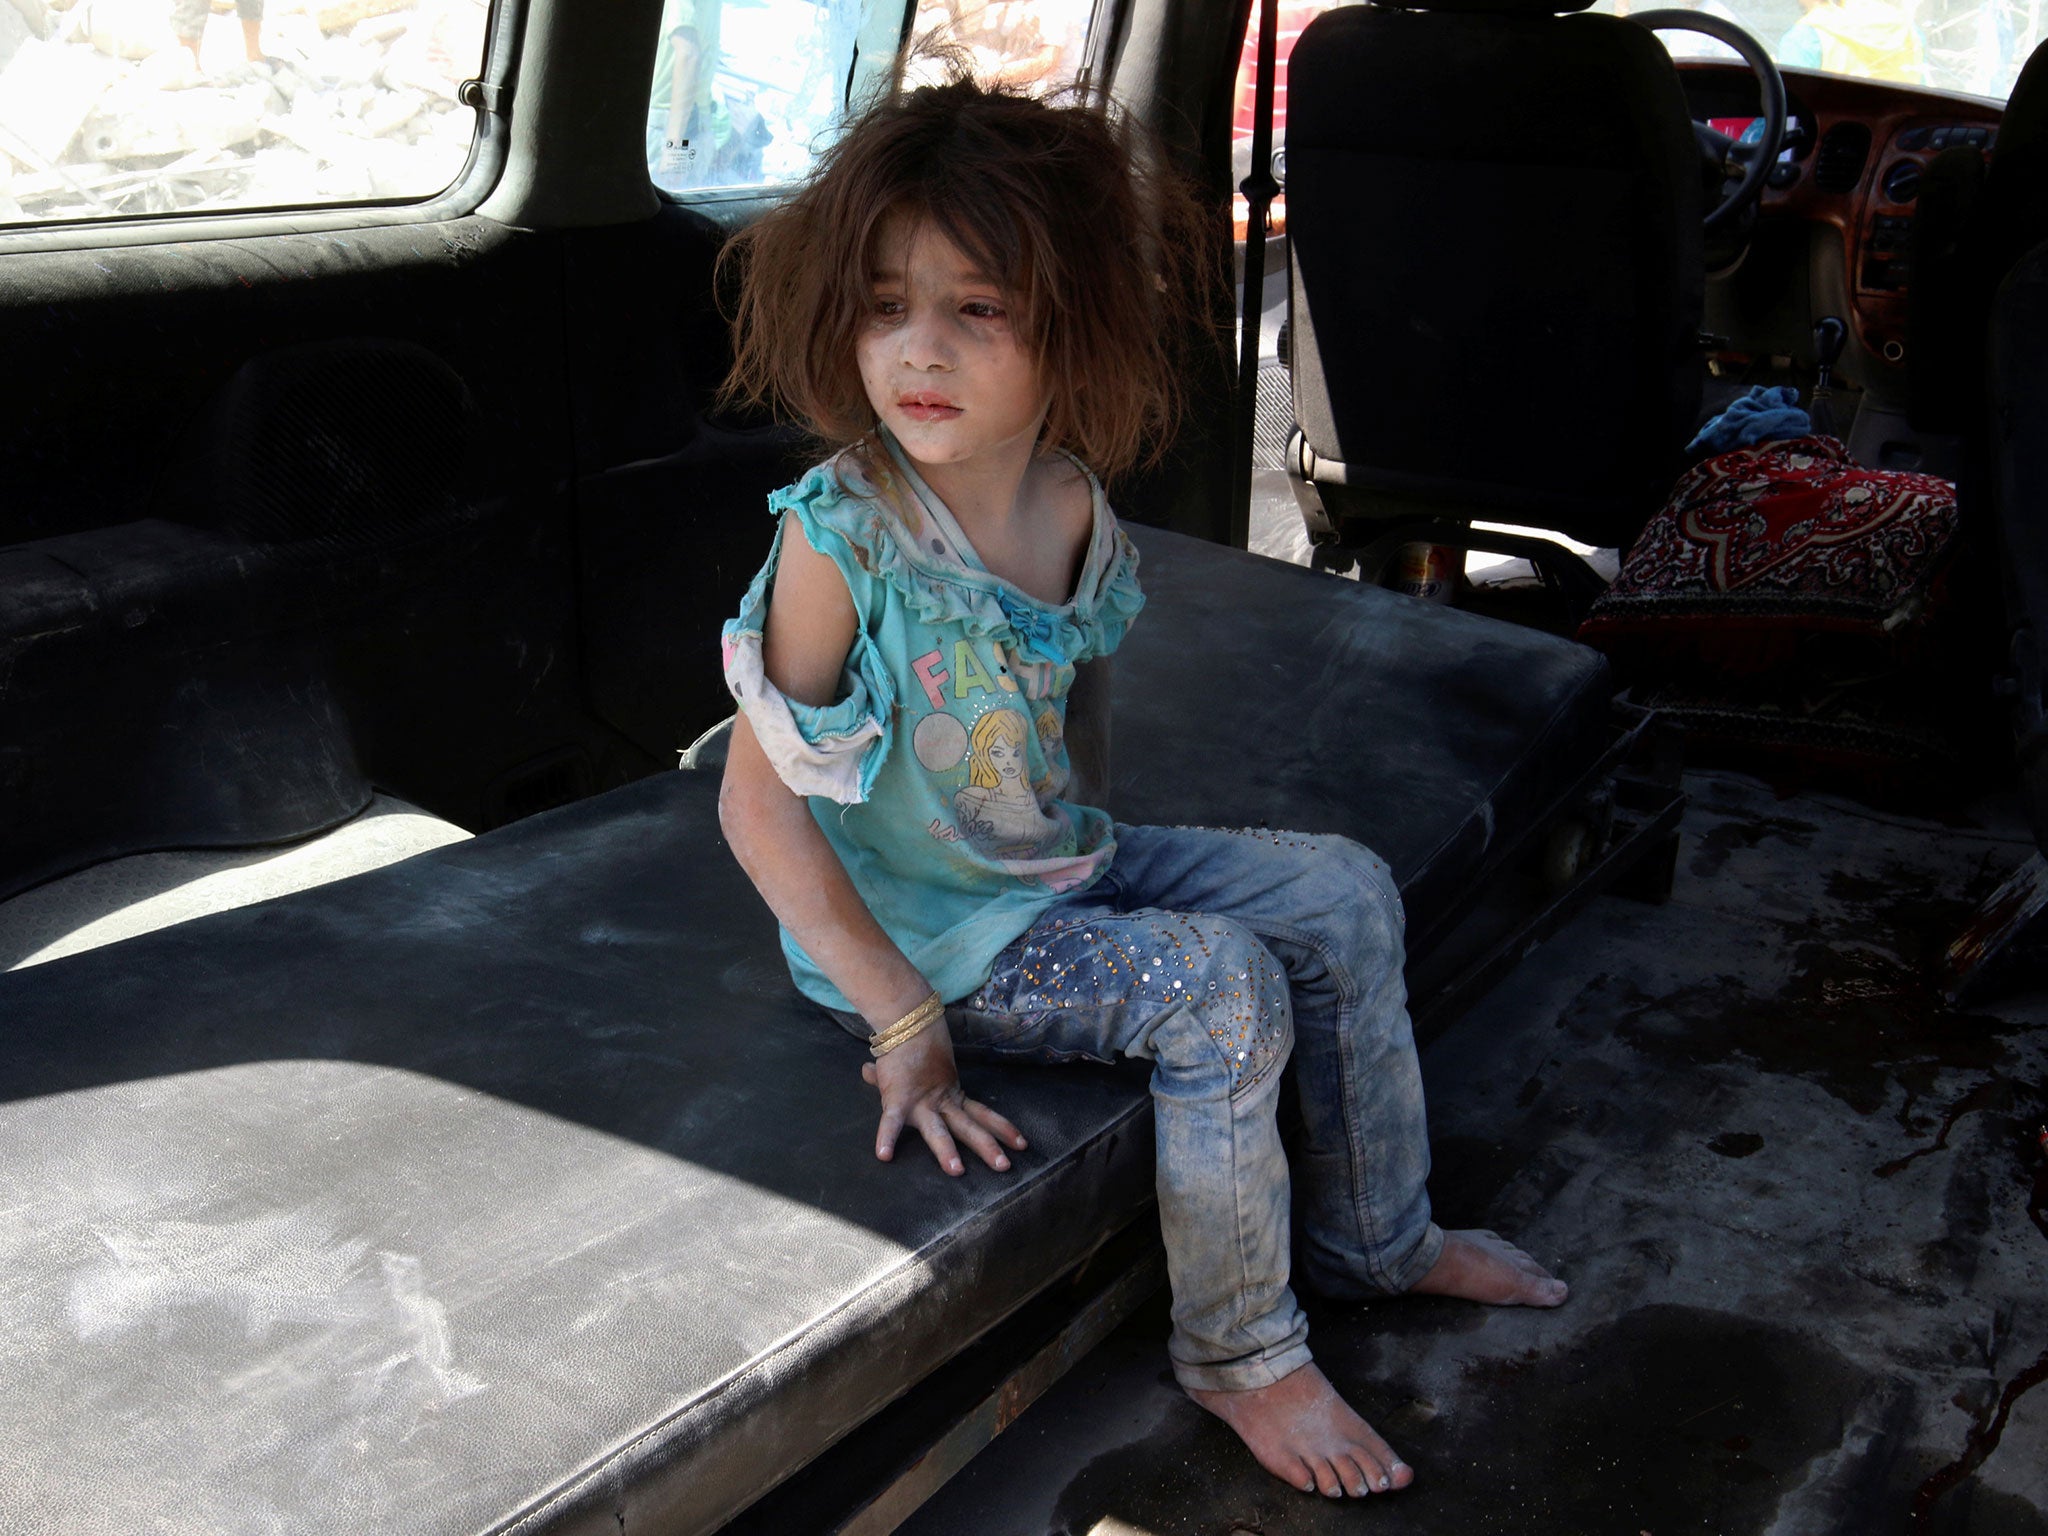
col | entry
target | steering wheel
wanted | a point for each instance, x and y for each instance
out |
(1743, 165)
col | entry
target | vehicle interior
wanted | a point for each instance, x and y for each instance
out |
(407, 1122)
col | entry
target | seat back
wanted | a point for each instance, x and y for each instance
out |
(2017, 481)
(159, 689)
(1977, 331)
(1497, 273)
(1971, 225)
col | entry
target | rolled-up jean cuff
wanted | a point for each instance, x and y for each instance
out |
(1337, 1281)
(1421, 1261)
(1242, 1375)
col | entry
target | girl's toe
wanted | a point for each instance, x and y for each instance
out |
(1362, 1475)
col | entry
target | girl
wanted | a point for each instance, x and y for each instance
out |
(973, 295)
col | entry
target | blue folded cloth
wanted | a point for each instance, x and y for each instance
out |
(1764, 415)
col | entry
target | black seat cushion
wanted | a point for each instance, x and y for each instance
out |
(1251, 691)
(512, 1187)
(509, 1181)
(1497, 274)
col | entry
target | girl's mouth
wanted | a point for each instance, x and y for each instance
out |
(923, 407)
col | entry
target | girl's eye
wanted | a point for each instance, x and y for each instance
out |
(982, 309)
(888, 307)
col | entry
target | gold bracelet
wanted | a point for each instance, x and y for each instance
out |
(907, 1028)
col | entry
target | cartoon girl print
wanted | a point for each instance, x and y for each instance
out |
(997, 811)
(1050, 739)
(1051, 743)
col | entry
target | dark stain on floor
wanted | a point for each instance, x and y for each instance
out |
(1993, 1093)
(1893, 909)
(1927, 1512)
(1737, 1144)
(1854, 1020)
(1975, 1511)
(1717, 843)
(2037, 1195)
(1467, 1173)
(1669, 1420)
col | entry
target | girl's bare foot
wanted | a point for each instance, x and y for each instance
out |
(1484, 1266)
(1307, 1436)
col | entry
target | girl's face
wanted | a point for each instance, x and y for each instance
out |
(943, 368)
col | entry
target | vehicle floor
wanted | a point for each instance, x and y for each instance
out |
(1800, 1200)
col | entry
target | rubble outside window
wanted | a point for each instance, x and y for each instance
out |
(113, 108)
(748, 92)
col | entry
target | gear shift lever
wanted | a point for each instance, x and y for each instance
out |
(1829, 336)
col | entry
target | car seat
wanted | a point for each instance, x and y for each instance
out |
(1494, 214)
(1972, 223)
(1977, 326)
(1973, 346)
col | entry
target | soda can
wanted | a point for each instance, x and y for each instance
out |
(1427, 571)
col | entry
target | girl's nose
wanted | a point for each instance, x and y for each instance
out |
(923, 347)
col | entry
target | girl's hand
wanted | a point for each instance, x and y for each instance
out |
(921, 1088)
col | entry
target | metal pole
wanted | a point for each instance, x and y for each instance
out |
(1259, 190)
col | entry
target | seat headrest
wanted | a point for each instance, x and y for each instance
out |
(1495, 7)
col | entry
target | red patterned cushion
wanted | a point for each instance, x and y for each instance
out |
(1787, 608)
(1759, 546)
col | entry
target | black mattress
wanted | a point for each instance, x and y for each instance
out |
(512, 1187)
(1252, 692)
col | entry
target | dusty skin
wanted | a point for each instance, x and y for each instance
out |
(1303, 1433)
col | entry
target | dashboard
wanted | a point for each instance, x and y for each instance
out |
(1855, 151)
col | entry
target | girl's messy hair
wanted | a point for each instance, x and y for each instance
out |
(1105, 253)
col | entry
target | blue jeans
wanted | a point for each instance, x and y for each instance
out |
(1214, 955)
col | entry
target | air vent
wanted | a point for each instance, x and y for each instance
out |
(1838, 166)
(1902, 180)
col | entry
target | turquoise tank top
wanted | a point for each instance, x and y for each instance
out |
(937, 774)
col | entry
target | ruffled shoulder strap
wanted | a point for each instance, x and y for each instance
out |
(834, 750)
(856, 519)
(1110, 596)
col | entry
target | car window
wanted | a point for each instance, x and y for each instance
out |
(1036, 45)
(1975, 46)
(747, 93)
(1293, 17)
(743, 89)
(118, 108)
